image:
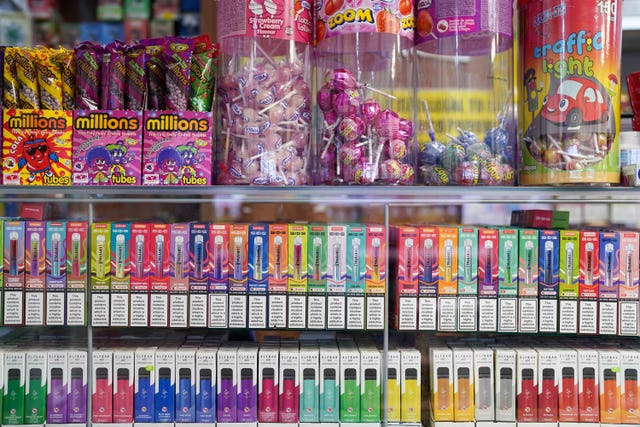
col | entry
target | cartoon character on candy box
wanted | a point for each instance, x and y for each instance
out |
(36, 154)
(119, 157)
(190, 158)
(169, 162)
(99, 162)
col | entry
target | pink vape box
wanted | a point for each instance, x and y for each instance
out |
(14, 240)
(428, 261)
(139, 275)
(159, 275)
(219, 258)
(629, 250)
(107, 147)
(177, 148)
(179, 276)
(488, 262)
(238, 259)
(77, 280)
(35, 269)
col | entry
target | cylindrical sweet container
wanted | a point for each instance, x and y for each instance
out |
(569, 92)
(364, 92)
(263, 92)
(464, 90)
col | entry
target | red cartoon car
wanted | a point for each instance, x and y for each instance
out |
(576, 100)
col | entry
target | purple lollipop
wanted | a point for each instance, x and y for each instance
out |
(324, 98)
(351, 128)
(370, 109)
(342, 79)
(406, 126)
(342, 103)
(387, 123)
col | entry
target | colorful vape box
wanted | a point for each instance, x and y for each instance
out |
(609, 283)
(177, 148)
(442, 384)
(144, 388)
(218, 275)
(179, 276)
(199, 271)
(185, 385)
(297, 276)
(508, 280)
(427, 278)
(630, 402)
(14, 272)
(14, 384)
(350, 382)
(393, 386)
(448, 261)
(483, 369)
(505, 379)
(56, 272)
(329, 383)
(309, 384)
(588, 385)
(102, 387)
(35, 269)
(589, 286)
(100, 273)
(317, 277)
(205, 385)
(629, 278)
(376, 277)
(527, 385)
(165, 372)
(1, 285)
(487, 280)
(406, 268)
(548, 284)
(568, 386)
(227, 378)
(548, 377)
(277, 275)
(258, 263)
(123, 385)
(528, 280)
(610, 379)
(107, 147)
(35, 392)
(370, 383)
(336, 275)
(120, 273)
(239, 274)
(36, 147)
(463, 387)
(569, 280)
(247, 397)
(159, 245)
(355, 280)
(77, 386)
(268, 384)
(467, 261)
(140, 255)
(77, 271)
(57, 384)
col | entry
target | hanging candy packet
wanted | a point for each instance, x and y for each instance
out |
(177, 56)
(136, 87)
(202, 73)
(116, 76)
(63, 59)
(49, 80)
(155, 68)
(2, 48)
(10, 85)
(27, 80)
(88, 75)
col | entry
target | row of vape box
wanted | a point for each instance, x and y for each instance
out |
(566, 278)
(570, 381)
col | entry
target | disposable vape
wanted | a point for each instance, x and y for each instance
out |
(226, 397)
(247, 397)
(56, 398)
(411, 399)
(467, 259)
(119, 252)
(289, 397)
(198, 256)
(608, 265)
(278, 257)
(443, 396)
(463, 386)
(357, 259)
(55, 254)
(568, 263)
(13, 402)
(375, 259)
(139, 255)
(309, 400)
(217, 255)
(144, 397)
(529, 267)
(102, 401)
(610, 391)
(297, 258)
(589, 264)
(204, 402)
(505, 399)
(100, 257)
(268, 402)
(448, 260)
(258, 251)
(35, 253)
(159, 256)
(527, 401)
(329, 402)
(371, 397)
(393, 393)
(165, 398)
(179, 258)
(317, 258)
(630, 256)
(13, 253)
(508, 254)
(123, 398)
(588, 399)
(337, 250)
(34, 399)
(408, 258)
(548, 397)
(350, 397)
(184, 404)
(237, 258)
(75, 254)
(488, 262)
(428, 260)
(630, 402)
(77, 398)
(568, 399)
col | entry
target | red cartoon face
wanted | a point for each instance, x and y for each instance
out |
(99, 164)
(36, 154)
(169, 165)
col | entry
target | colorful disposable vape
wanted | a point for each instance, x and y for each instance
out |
(13, 401)
(484, 398)
(630, 398)
(309, 399)
(123, 397)
(268, 401)
(568, 399)
(205, 397)
(165, 396)
(34, 399)
(289, 398)
(464, 395)
(227, 396)
(102, 398)
(548, 397)
(350, 397)
(56, 397)
(370, 401)
(588, 398)
(506, 395)
(410, 400)
(185, 397)
(609, 397)
(247, 396)
(393, 390)
(77, 397)
(443, 397)
(144, 396)
(527, 401)
(329, 396)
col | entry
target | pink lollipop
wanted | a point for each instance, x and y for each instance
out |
(370, 109)
(397, 149)
(350, 154)
(406, 126)
(351, 128)
(342, 79)
(342, 103)
(330, 117)
(324, 98)
(386, 123)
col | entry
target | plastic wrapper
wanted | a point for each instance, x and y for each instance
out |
(63, 58)
(2, 48)
(49, 80)
(113, 77)
(27, 80)
(136, 87)
(155, 68)
(88, 76)
(177, 56)
(10, 81)
(202, 74)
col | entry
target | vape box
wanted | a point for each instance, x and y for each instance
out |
(427, 278)
(505, 375)
(488, 263)
(179, 276)
(569, 280)
(107, 147)
(206, 358)
(484, 386)
(185, 385)
(14, 385)
(14, 272)
(442, 384)
(165, 382)
(144, 385)
(376, 278)
(199, 267)
(528, 280)
(394, 392)
(2, 383)
(447, 261)
(549, 248)
(610, 379)
(218, 275)
(589, 282)
(227, 380)
(160, 239)
(120, 273)
(588, 385)
(329, 383)
(317, 277)
(102, 387)
(507, 279)
(370, 387)
(350, 386)
(56, 272)
(123, 388)
(140, 255)
(57, 383)
(77, 386)
(336, 275)
(35, 269)
(77, 281)
(629, 366)
(239, 274)
(310, 383)
(258, 276)
(247, 397)
(289, 384)
(629, 278)
(568, 386)
(609, 283)
(548, 377)
(35, 393)
(463, 386)
(467, 261)
(100, 273)
(356, 274)
(177, 148)
(268, 358)
(36, 147)
(406, 241)
(277, 275)
(1, 284)
(526, 385)
(297, 276)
